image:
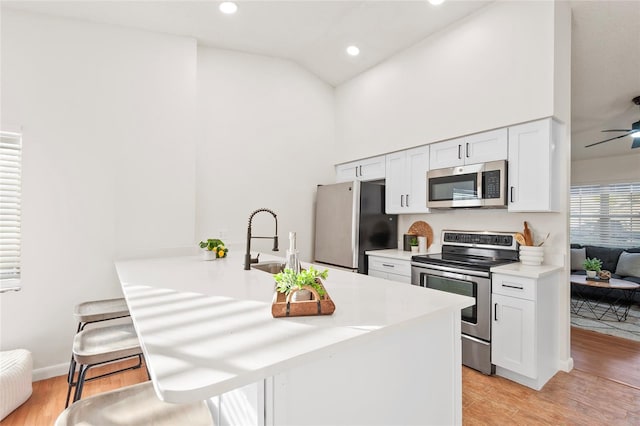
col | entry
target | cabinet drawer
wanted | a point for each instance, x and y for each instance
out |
(393, 266)
(509, 285)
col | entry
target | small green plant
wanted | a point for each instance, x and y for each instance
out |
(288, 280)
(413, 241)
(593, 264)
(215, 245)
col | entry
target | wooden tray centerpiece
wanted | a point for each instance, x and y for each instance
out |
(289, 284)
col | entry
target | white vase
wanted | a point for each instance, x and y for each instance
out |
(591, 274)
(208, 255)
(414, 249)
(301, 295)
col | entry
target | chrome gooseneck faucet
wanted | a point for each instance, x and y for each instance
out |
(248, 260)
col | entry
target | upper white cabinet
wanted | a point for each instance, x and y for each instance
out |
(406, 184)
(366, 169)
(532, 167)
(473, 149)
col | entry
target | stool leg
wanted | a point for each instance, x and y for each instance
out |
(72, 371)
(82, 372)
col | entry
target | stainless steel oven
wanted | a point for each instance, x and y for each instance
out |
(463, 268)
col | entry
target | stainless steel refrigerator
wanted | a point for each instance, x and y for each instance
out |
(350, 220)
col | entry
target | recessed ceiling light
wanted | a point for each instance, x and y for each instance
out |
(228, 7)
(353, 50)
(436, 2)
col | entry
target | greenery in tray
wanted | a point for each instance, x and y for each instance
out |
(216, 246)
(288, 280)
(593, 264)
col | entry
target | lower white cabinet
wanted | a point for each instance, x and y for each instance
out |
(390, 269)
(524, 328)
(513, 342)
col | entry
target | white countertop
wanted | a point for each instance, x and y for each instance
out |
(394, 253)
(206, 326)
(527, 271)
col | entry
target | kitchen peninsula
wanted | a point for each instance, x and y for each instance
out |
(390, 354)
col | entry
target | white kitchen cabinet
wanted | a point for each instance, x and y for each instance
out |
(372, 168)
(406, 181)
(512, 346)
(390, 269)
(523, 328)
(472, 149)
(533, 167)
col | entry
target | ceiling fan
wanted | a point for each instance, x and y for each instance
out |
(634, 131)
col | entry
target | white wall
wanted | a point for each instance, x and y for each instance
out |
(108, 165)
(266, 141)
(490, 70)
(507, 63)
(617, 169)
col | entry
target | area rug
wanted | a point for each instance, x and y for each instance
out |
(629, 329)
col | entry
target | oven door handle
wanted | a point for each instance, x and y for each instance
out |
(449, 272)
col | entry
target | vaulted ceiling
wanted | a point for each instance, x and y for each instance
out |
(314, 34)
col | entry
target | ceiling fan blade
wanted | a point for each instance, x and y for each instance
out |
(616, 130)
(607, 140)
(635, 143)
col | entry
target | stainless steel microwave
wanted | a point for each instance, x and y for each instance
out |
(474, 185)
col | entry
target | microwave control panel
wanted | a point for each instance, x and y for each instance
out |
(491, 184)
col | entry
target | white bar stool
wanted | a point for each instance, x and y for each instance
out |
(100, 310)
(95, 311)
(103, 345)
(132, 406)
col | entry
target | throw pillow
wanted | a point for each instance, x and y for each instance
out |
(628, 265)
(578, 256)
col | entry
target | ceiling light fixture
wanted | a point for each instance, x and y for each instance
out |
(228, 7)
(353, 50)
(436, 2)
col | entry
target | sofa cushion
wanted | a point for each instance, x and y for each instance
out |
(578, 256)
(608, 255)
(633, 279)
(629, 264)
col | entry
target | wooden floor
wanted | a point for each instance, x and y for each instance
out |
(589, 349)
(583, 397)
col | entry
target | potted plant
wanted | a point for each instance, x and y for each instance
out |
(213, 249)
(592, 266)
(288, 280)
(413, 242)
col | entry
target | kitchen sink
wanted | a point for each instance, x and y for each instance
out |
(270, 267)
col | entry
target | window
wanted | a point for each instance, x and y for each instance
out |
(10, 190)
(606, 215)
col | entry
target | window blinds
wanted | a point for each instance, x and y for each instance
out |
(606, 215)
(10, 191)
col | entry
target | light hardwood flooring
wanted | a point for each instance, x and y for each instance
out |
(577, 398)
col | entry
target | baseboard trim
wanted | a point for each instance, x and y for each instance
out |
(566, 365)
(51, 371)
